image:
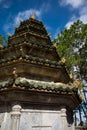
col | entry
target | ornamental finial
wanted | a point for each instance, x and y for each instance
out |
(9, 35)
(33, 16)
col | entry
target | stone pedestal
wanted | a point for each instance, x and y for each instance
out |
(15, 117)
(36, 119)
(64, 119)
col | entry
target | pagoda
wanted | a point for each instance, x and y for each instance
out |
(35, 88)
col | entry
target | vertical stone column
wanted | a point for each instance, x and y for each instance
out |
(15, 117)
(64, 119)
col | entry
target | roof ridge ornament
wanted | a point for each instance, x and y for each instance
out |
(8, 34)
(33, 15)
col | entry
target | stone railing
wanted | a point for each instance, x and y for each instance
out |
(81, 128)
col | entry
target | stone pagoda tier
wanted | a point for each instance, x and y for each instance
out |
(35, 90)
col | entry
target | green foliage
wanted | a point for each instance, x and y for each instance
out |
(72, 45)
(2, 40)
(83, 65)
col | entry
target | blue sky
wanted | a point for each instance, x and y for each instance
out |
(55, 14)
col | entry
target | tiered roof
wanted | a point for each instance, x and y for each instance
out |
(34, 33)
(31, 45)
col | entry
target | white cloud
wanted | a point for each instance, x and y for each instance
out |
(45, 7)
(15, 20)
(25, 15)
(83, 18)
(82, 15)
(72, 3)
(56, 33)
(5, 4)
(8, 28)
(70, 22)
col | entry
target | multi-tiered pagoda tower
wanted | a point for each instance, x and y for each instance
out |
(34, 85)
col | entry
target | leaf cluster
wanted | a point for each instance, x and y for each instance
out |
(3, 41)
(72, 45)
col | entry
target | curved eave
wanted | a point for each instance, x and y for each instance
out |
(32, 59)
(38, 92)
(24, 83)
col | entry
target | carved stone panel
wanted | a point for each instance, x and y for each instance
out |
(40, 120)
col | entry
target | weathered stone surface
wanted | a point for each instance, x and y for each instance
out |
(5, 121)
(40, 120)
(15, 117)
(35, 119)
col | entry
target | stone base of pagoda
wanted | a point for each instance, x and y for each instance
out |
(37, 109)
(34, 118)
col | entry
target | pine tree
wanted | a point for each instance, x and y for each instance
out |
(72, 45)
